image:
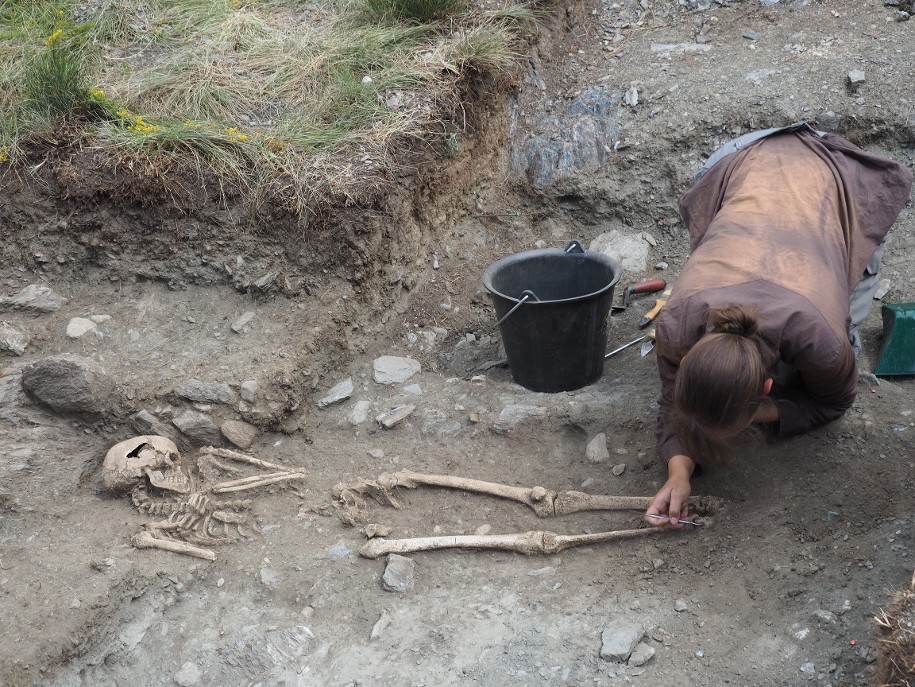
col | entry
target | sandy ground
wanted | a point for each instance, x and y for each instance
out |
(781, 591)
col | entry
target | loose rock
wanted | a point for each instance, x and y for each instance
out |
(201, 392)
(198, 427)
(398, 575)
(641, 655)
(188, 676)
(269, 577)
(339, 392)
(359, 413)
(391, 369)
(680, 605)
(239, 433)
(69, 384)
(238, 326)
(619, 469)
(34, 298)
(248, 391)
(513, 415)
(619, 639)
(855, 79)
(395, 416)
(596, 451)
(883, 288)
(12, 339)
(80, 326)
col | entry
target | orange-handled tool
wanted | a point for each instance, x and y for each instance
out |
(653, 313)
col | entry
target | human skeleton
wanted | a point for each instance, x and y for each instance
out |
(160, 483)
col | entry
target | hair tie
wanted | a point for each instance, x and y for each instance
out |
(732, 330)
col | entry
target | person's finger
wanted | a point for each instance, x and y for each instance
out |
(677, 506)
(658, 506)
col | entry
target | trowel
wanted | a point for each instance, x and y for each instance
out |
(648, 343)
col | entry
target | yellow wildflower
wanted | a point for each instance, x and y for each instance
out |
(52, 39)
(96, 94)
(4, 153)
(235, 135)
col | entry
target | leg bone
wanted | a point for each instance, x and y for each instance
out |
(528, 543)
(145, 540)
(544, 503)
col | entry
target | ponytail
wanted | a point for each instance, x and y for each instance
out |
(719, 384)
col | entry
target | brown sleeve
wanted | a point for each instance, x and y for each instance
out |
(824, 390)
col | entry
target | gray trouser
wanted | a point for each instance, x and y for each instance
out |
(862, 297)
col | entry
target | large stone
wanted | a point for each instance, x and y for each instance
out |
(579, 142)
(13, 339)
(239, 433)
(619, 639)
(199, 428)
(630, 249)
(69, 384)
(392, 369)
(34, 298)
(398, 575)
(201, 392)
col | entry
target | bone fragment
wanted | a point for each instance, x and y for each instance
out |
(528, 543)
(145, 540)
(544, 502)
(262, 482)
(242, 458)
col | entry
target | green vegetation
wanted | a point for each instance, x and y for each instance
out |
(290, 99)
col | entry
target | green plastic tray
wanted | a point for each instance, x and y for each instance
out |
(897, 355)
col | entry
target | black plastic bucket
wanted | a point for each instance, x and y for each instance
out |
(553, 308)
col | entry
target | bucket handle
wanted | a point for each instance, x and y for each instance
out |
(525, 295)
(574, 247)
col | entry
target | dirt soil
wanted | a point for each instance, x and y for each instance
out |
(818, 530)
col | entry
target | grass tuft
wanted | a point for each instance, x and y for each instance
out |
(419, 11)
(56, 83)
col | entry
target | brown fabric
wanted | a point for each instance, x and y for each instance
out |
(786, 226)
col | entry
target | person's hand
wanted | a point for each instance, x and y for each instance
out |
(671, 499)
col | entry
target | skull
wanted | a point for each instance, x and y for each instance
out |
(153, 457)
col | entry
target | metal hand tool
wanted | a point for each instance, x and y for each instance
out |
(682, 522)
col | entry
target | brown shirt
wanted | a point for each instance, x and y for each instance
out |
(785, 226)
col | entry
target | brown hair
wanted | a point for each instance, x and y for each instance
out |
(719, 384)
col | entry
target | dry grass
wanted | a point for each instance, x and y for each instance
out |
(290, 100)
(896, 639)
